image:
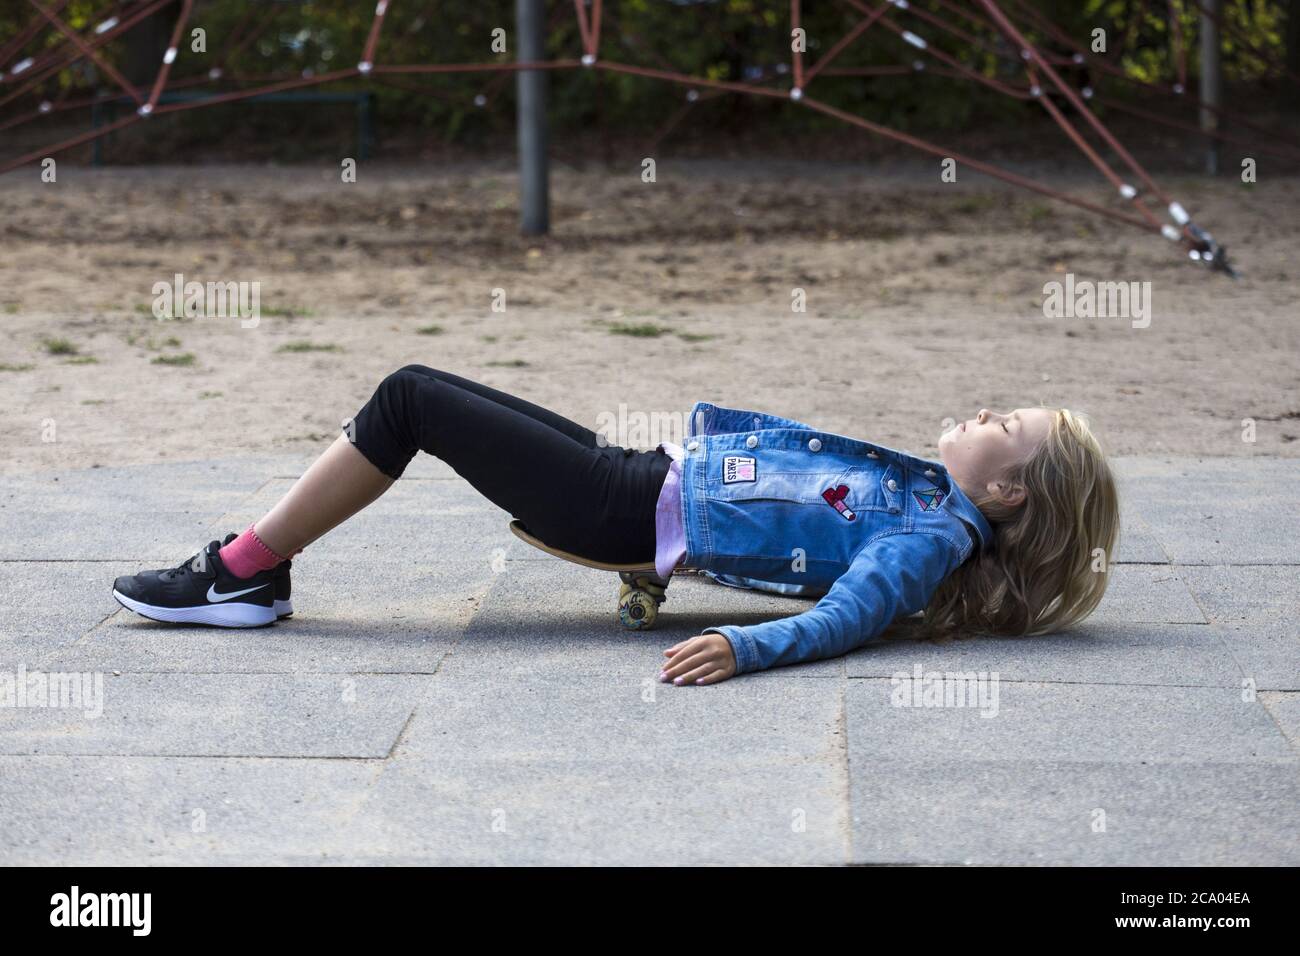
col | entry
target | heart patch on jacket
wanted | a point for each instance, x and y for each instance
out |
(835, 498)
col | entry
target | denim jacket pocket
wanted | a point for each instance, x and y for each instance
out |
(873, 488)
(801, 487)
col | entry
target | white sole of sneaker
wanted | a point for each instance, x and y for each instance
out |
(283, 609)
(219, 615)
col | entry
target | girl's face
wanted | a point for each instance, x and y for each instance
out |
(981, 451)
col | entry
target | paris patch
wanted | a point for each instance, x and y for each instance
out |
(736, 468)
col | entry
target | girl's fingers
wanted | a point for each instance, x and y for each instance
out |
(679, 646)
(698, 674)
(689, 663)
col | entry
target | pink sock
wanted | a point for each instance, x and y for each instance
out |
(248, 554)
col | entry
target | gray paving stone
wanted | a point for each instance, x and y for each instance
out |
(1147, 594)
(1254, 596)
(1217, 511)
(550, 616)
(135, 811)
(616, 770)
(182, 485)
(159, 536)
(1092, 653)
(1257, 612)
(462, 537)
(1137, 542)
(394, 618)
(1065, 722)
(502, 715)
(1285, 709)
(357, 715)
(51, 604)
(637, 812)
(1042, 812)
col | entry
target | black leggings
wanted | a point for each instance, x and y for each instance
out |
(547, 471)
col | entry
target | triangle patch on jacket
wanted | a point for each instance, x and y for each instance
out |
(928, 498)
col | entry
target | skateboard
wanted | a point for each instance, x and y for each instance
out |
(639, 595)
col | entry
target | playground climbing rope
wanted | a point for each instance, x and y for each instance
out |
(1003, 28)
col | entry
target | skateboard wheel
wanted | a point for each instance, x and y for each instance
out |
(637, 609)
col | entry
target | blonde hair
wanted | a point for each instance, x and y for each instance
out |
(1051, 556)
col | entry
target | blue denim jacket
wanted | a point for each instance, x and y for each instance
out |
(872, 530)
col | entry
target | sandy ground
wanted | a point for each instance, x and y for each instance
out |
(924, 301)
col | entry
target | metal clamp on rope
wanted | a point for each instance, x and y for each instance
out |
(1205, 248)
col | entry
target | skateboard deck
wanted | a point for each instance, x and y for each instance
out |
(645, 567)
(641, 592)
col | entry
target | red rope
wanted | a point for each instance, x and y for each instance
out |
(796, 53)
(844, 41)
(170, 55)
(20, 40)
(87, 50)
(37, 74)
(589, 28)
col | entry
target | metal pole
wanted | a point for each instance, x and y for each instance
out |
(1211, 81)
(534, 201)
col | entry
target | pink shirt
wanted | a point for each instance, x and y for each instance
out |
(670, 532)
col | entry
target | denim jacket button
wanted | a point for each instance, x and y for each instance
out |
(892, 485)
(751, 441)
(814, 444)
(692, 446)
(929, 472)
(872, 454)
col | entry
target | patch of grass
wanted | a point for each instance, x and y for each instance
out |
(976, 203)
(184, 358)
(176, 315)
(643, 330)
(94, 401)
(11, 308)
(430, 330)
(291, 312)
(695, 336)
(210, 394)
(82, 360)
(6, 367)
(59, 346)
(512, 363)
(489, 338)
(1037, 212)
(309, 347)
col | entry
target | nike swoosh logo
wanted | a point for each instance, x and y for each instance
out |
(216, 598)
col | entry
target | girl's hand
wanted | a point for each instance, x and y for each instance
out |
(705, 659)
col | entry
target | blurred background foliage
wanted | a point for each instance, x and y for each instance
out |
(255, 43)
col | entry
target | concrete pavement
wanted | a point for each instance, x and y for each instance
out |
(445, 694)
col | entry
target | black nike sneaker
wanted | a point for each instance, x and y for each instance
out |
(201, 591)
(283, 605)
(283, 586)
